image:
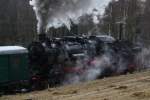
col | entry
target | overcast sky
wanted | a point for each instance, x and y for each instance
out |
(101, 4)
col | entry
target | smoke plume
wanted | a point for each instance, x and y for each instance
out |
(143, 59)
(56, 13)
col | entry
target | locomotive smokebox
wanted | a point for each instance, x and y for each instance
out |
(42, 37)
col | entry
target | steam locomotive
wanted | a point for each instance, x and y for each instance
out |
(50, 61)
(58, 57)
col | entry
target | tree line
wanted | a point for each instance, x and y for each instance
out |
(17, 22)
(128, 19)
(122, 19)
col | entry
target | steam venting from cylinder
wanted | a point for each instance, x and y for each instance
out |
(57, 13)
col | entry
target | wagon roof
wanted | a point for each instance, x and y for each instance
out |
(12, 50)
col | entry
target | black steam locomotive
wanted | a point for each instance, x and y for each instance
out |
(51, 60)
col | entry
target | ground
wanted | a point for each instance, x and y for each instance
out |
(127, 87)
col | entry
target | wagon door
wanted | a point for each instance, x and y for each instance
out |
(19, 68)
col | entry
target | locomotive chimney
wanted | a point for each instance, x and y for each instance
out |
(42, 37)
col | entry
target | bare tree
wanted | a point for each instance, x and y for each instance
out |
(122, 18)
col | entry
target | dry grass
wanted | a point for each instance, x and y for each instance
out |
(127, 87)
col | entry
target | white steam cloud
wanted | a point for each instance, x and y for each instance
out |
(143, 59)
(55, 13)
(91, 69)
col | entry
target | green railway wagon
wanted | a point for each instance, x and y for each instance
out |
(13, 65)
